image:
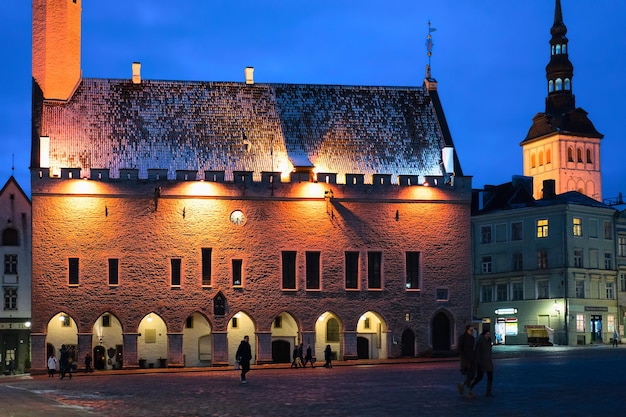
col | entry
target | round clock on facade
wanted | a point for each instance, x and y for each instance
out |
(237, 217)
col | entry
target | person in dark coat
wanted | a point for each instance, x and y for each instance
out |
(308, 357)
(328, 356)
(64, 362)
(483, 361)
(88, 367)
(244, 356)
(466, 350)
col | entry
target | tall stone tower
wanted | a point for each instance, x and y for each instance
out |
(56, 47)
(562, 143)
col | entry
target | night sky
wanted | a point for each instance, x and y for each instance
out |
(489, 58)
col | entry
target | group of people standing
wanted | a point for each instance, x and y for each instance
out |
(476, 360)
(244, 356)
(65, 363)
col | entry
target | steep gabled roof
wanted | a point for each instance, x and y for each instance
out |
(180, 125)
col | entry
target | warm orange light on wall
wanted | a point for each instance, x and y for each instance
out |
(82, 186)
(198, 188)
(309, 190)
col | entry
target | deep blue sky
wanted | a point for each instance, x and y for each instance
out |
(489, 58)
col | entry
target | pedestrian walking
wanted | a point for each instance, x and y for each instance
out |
(88, 367)
(484, 362)
(615, 338)
(296, 363)
(309, 357)
(466, 350)
(244, 356)
(64, 362)
(328, 356)
(52, 366)
(11, 366)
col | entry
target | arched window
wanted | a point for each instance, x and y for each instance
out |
(548, 156)
(564, 48)
(552, 50)
(332, 330)
(550, 86)
(532, 161)
(540, 158)
(10, 237)
(570, 155)
(558, 49)
(589, 159)
(579, 155)
(559, 84)
(567, 84)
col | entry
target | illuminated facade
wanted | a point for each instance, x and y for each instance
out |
(171, 218)
(15, 252)
(544, 265)
(562, 144)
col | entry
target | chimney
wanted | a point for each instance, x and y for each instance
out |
(136, 72)
(549, 189)
(249, 71)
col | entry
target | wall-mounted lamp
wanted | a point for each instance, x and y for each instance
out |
(149, 318)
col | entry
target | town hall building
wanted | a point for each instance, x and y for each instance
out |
(171, 218)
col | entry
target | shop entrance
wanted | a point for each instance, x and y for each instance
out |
(596, 329)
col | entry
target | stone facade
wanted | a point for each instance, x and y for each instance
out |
(170, 219)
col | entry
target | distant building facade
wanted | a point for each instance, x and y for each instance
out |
(15, 251)
(544, 266)
(171, 218)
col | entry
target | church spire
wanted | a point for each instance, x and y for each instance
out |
(559, 71)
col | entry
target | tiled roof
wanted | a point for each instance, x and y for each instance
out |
(181, 125)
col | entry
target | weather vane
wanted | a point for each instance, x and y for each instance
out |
(429, 47)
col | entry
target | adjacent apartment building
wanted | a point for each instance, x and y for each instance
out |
(15, 251)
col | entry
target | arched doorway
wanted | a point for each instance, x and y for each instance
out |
(408, 343)
(62, 330)
(197, 341)
(373, 329)
(152, 342)
(107, 334)
(441, 332)
(328, 331)
(284, 337)
(240, 325)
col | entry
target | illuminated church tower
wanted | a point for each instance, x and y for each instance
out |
(562, 143)
(56, 47)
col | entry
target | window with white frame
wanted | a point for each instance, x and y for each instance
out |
(485, 234)
(517, 231)
(577, 226)
(578, 258)
(610, 291)
(10, 264)
(501, 292)
(543, 289)
(486, 264)
(621, 246)
(542, 228)
(486, 293)
(517, 291)
(542, 259)
(580, 322)
(608, 260)
(580, 288)
(10, 298)
(608, 230)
